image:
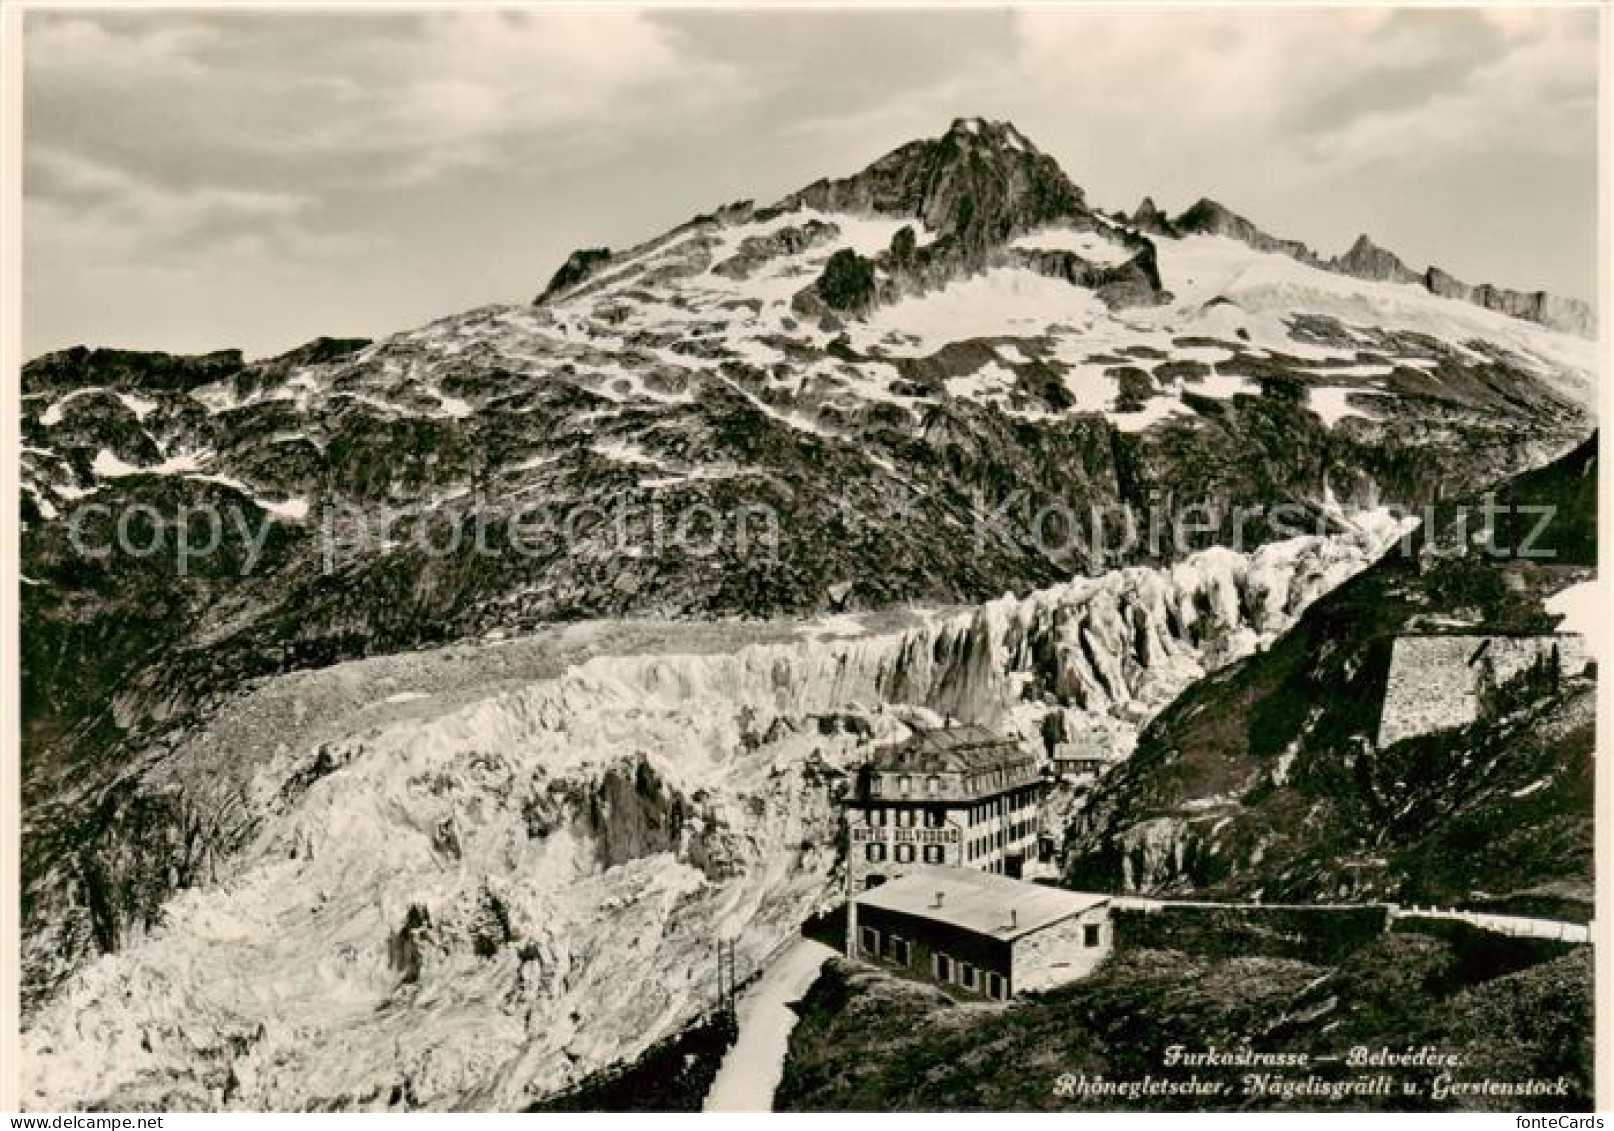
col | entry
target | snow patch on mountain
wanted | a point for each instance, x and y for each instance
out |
(1199, 269)
(1333, 404)
(1090, 245)
(1002, 301)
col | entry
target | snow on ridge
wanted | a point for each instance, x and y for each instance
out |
(108, 466)
(451, 407)
(188, 465)
(139, 406)
(1088, 244)
(46, 508)
(1000, 302)
(623, 451)
(1267, 285)
(990, 381)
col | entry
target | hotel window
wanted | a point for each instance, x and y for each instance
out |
(870, 939)
(966, 976)
(1090, 934)
(905, 818)
(879, 817)
(875, 785)
(904, 854)
(900, 951)
(942, 966)
(876, 853)
(933, 854)
(905, 785)
(934, 818)
(994, 985)
(933, 785)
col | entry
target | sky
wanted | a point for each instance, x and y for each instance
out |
(196, 180)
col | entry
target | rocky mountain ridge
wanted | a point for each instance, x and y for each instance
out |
(1366, 260)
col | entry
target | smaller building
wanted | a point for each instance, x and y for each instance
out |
(981, 935)
(1089, 753)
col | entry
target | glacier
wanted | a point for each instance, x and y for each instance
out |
(475, 899)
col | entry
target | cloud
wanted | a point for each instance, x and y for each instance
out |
(1535, 95)
(446, 90)
(390, 98)
(115, 211)
(108, 50)
(1320, 92)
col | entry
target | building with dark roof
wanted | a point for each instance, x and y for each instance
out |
(959, 796)
(979, 934)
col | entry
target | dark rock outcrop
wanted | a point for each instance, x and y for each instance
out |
(754, 251)
(1133, 282)
(1567, 314)
(847, 284)
(579, 265)
(135, 370)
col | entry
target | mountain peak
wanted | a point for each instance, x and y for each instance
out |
(981, 182)
(985, 133)
(1147, 217)
(1210, 217)
(1367, 260)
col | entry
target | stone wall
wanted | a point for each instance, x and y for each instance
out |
(1434, 682)
(1059, 952)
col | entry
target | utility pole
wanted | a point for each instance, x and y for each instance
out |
(728, 980)
(720, 995)
(734, 980)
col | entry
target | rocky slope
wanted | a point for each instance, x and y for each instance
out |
(323, 896)
(1266, 779)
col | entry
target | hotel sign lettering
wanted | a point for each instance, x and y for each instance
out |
(862, 834)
